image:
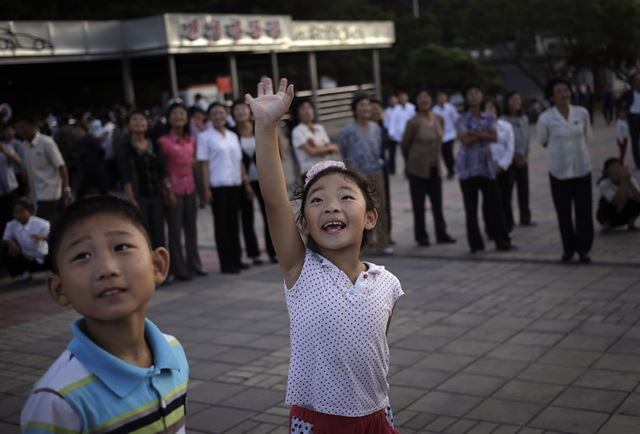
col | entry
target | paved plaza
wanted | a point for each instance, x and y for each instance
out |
(494, 342)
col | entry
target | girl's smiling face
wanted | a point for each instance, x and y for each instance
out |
(335, 213)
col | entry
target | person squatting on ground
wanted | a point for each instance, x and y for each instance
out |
(339, 307)
(565, 130)
(119, 373)
(619, 203)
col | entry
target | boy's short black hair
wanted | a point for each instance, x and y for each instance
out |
(471, 85)
(551, 84)
(90, 207)
(25, 203)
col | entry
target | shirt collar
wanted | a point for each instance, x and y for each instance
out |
(33, 141)
(119, 376)
(371, 267)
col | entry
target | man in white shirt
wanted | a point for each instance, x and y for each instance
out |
(25, 239)
(48, 176)
(450, 115)
(401, 115)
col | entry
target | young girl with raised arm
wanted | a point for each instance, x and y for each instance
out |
(339, 307)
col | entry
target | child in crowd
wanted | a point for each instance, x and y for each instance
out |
(622, 133)
(25, 240)
(620, 196)
(119, 372)
(339, 307)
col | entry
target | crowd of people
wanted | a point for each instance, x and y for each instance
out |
(169, 165)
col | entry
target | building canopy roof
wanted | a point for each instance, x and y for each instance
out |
(51, 41)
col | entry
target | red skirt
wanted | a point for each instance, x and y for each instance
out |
(302, 421)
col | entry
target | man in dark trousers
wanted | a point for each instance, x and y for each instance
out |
(631, 100)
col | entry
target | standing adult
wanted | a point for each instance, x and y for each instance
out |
(178, 150)
(309, 140)
(244, 128)
(224, 182)
(403, 111)
(421, 148)
(360, 143)
(477, 171)
(198, 125)
(48, 176)
(608, 102)
(377, 116)
(520, 167)
(502, 153)
(450, 115)
(565, 129)
(10, 160)
(392, 102)
(92, 170)
(143, 175)
(631, 99)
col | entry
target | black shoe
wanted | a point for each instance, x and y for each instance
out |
(450, 176)
(200, 273)
(232, 270)
(529, 223)
(566, 257)
(447, 239)
(506, 247)
(256, 261)
(243, 266)
(585, 258)
(477, 249)
(273, 259)
(184, 278)
(423, 242)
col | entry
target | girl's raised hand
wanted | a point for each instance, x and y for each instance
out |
(268, 107)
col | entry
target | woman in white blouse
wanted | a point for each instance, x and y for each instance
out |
(309, 140)
(565, 130)
(224, 181)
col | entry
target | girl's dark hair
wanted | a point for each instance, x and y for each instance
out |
(551, 84)
(419, 91)
(507, 97)
(186, 129)
(293, 112)
(494, 103)
(368, 192)
(608, 163)
(25, 203)
(466, 88)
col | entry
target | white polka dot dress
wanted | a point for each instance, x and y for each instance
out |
(339, 351)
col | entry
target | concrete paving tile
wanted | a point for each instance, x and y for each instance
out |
(464, 319)
(471, 384)
(10, 405)
(621, 424)
(417, 421)
(569, 420)
(611, 380)
(626, 346)
(401, 397)
(460, 427)
(201, 370)
(517, 352)
(269, 342)
(538, 339)
(507, 429)
(496, 367)
(444, 330)
(404, 357)
(213, 392)
(600, 329)
(7, 428)
(421, 377)
(485, 428)
(583, 398)
(619, 362)
(562, 357)
(422, 342)
(440, 424)
(553, 326)
(255, 399)
(218, 419)
(504, 411)
(538, 372)
(468, 347)
(631, 406)
(490, 334)
(509, 323)
(444, 362)
(528, 391)
(445, 404)
(239, 355)
(584, 342)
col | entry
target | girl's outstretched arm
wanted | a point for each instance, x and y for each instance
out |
(267, 110)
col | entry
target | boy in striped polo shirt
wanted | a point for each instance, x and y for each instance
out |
(119, 373)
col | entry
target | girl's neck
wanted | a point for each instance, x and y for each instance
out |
(221, 129)
(138, 137)
(178, 131)
(475, 110)
(362, 122)
(347, 260)
(425, 114)
(563, 109)
(245, 128)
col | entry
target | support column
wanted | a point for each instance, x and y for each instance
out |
(173, 76)
(233, 69)
(127, 82)
(275, 69)
(377, 81)
(313, 76)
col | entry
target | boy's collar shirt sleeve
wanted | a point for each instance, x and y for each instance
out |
(119, 376)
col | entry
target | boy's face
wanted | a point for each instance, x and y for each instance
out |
(106, 270)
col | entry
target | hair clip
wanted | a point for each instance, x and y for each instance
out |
(319, 167)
